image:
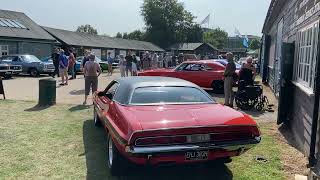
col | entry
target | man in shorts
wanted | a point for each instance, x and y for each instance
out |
(63, 68)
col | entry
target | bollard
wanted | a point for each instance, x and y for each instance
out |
(2, 89)
(47, 92)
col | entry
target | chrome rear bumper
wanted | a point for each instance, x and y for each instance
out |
(230, 146)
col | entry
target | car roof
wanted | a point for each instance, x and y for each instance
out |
(204, 62)
(17, 55)
(129, 84)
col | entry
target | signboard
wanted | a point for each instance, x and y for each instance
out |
(2, 89)
(96, 52)
(112, 51)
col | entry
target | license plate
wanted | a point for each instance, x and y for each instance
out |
(196, 155)
(198, 138)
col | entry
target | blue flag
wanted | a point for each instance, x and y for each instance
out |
(246, 41)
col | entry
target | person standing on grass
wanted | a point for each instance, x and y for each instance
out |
(63, 68)
(122, 65)
(129, 63)
(72, 62)
(229, 74)
(91, 72)
(55, 60)
(110, 61)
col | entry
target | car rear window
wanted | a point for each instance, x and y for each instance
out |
(169, 95)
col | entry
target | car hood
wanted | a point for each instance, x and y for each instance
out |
(47, 63)
(4, 64)
(158, 70)
(179, 116)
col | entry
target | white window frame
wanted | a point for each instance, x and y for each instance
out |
(307, 42)
(4, 50)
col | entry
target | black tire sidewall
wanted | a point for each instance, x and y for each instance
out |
(118, 166)
(34, 72)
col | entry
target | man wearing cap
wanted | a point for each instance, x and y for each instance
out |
(229, 74)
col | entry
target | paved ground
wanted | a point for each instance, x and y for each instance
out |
(27, 88)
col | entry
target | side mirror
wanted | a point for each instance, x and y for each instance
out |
(101, 94)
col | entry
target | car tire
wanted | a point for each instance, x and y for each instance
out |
(34, 72)
(218, 87)
(96, 118)
(115, 161)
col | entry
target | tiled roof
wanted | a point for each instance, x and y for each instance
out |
(32, 30)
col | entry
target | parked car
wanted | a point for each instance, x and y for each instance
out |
(103, 64)
(224, 62)
(161, 120)
(30, 64)
(204, 73)
(7, 70)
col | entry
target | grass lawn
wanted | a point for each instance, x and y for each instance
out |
(61, 143)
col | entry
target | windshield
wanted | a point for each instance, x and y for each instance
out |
(169, 95)
(30, 58)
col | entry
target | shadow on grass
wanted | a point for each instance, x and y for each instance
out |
(79, 108)
(37, 108)
(95, 153)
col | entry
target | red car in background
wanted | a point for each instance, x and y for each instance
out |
(204, 73)
(161, 120)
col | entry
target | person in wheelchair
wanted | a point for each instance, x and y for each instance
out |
(249, 95)
(247, 74)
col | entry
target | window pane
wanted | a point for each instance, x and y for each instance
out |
(19, 24)
(3, 24)
(8, 23)
(169, 95)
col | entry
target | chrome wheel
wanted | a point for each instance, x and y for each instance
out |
(110, 152)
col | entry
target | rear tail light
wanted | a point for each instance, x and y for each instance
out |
(161, 140)
(216, 134)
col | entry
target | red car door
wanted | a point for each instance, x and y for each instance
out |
(194, 72)
(106, 105)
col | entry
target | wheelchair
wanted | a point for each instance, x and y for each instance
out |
(250, 96)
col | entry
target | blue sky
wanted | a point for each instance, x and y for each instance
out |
(112, 16)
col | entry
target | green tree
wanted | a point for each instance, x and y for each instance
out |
(255, 44)
(167, 22)
(217, 37)
(119, 35)
(136, 35)
(87, 29)
(125, 36)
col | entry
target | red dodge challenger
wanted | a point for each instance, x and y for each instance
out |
(205, 73)
(162, 120)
